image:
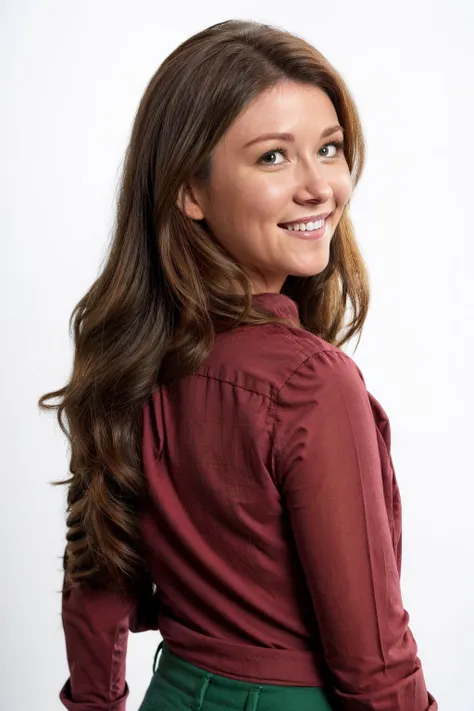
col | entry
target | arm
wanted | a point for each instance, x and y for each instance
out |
(329, 472)
(96, 626)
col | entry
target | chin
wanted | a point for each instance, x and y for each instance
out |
(309, 269)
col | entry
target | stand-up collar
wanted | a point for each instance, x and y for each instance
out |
(279, 304)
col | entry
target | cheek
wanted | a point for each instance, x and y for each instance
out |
(342, 187)
(263, 200)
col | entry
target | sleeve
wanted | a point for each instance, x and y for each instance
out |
(96, 626)
(329, 472)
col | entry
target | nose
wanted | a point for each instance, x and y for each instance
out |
(312, 183)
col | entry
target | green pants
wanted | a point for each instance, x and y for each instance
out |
(177, 685)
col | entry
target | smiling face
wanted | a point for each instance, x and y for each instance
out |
(257, 184)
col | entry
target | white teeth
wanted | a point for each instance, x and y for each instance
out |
(305, 226)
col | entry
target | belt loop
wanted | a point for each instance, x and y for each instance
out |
(156, 655)
(200, 693)
(252, 699)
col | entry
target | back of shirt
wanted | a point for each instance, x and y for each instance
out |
(233, 596)
(273, 526)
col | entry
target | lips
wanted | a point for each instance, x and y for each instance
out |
(304, 220)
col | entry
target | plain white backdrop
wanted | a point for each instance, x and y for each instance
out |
(72, 75)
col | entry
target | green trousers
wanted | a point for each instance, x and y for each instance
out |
(177, 685)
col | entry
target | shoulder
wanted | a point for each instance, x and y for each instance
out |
(322, 373)
(274, 358)
(321, 361)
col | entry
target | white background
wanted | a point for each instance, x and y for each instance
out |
(72, 74)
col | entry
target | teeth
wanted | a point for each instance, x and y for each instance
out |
(305, 226)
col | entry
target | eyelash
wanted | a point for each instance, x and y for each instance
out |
(338, 143)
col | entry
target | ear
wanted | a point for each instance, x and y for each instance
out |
(189, 202)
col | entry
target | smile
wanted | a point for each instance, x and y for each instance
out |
(305, 226)
(310, 231)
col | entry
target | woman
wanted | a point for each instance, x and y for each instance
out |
(232, 484)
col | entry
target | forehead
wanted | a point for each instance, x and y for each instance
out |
(303, 110)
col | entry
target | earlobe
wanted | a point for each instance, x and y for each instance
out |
(188, 203)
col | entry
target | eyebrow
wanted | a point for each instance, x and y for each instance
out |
(289, 136)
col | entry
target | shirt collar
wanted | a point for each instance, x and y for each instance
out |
(279, 304)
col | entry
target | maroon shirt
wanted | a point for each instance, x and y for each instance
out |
(273, 528)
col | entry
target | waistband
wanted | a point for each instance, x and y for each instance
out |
(268, 665)
(202, 685)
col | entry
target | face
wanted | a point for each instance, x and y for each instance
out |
(258, 183)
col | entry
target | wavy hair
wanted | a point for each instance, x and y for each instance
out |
(167, 286)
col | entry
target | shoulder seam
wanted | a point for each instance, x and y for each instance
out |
(311, 356)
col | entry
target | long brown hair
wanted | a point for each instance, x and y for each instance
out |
(165, 288)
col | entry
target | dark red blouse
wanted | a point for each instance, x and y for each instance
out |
(273, 529)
